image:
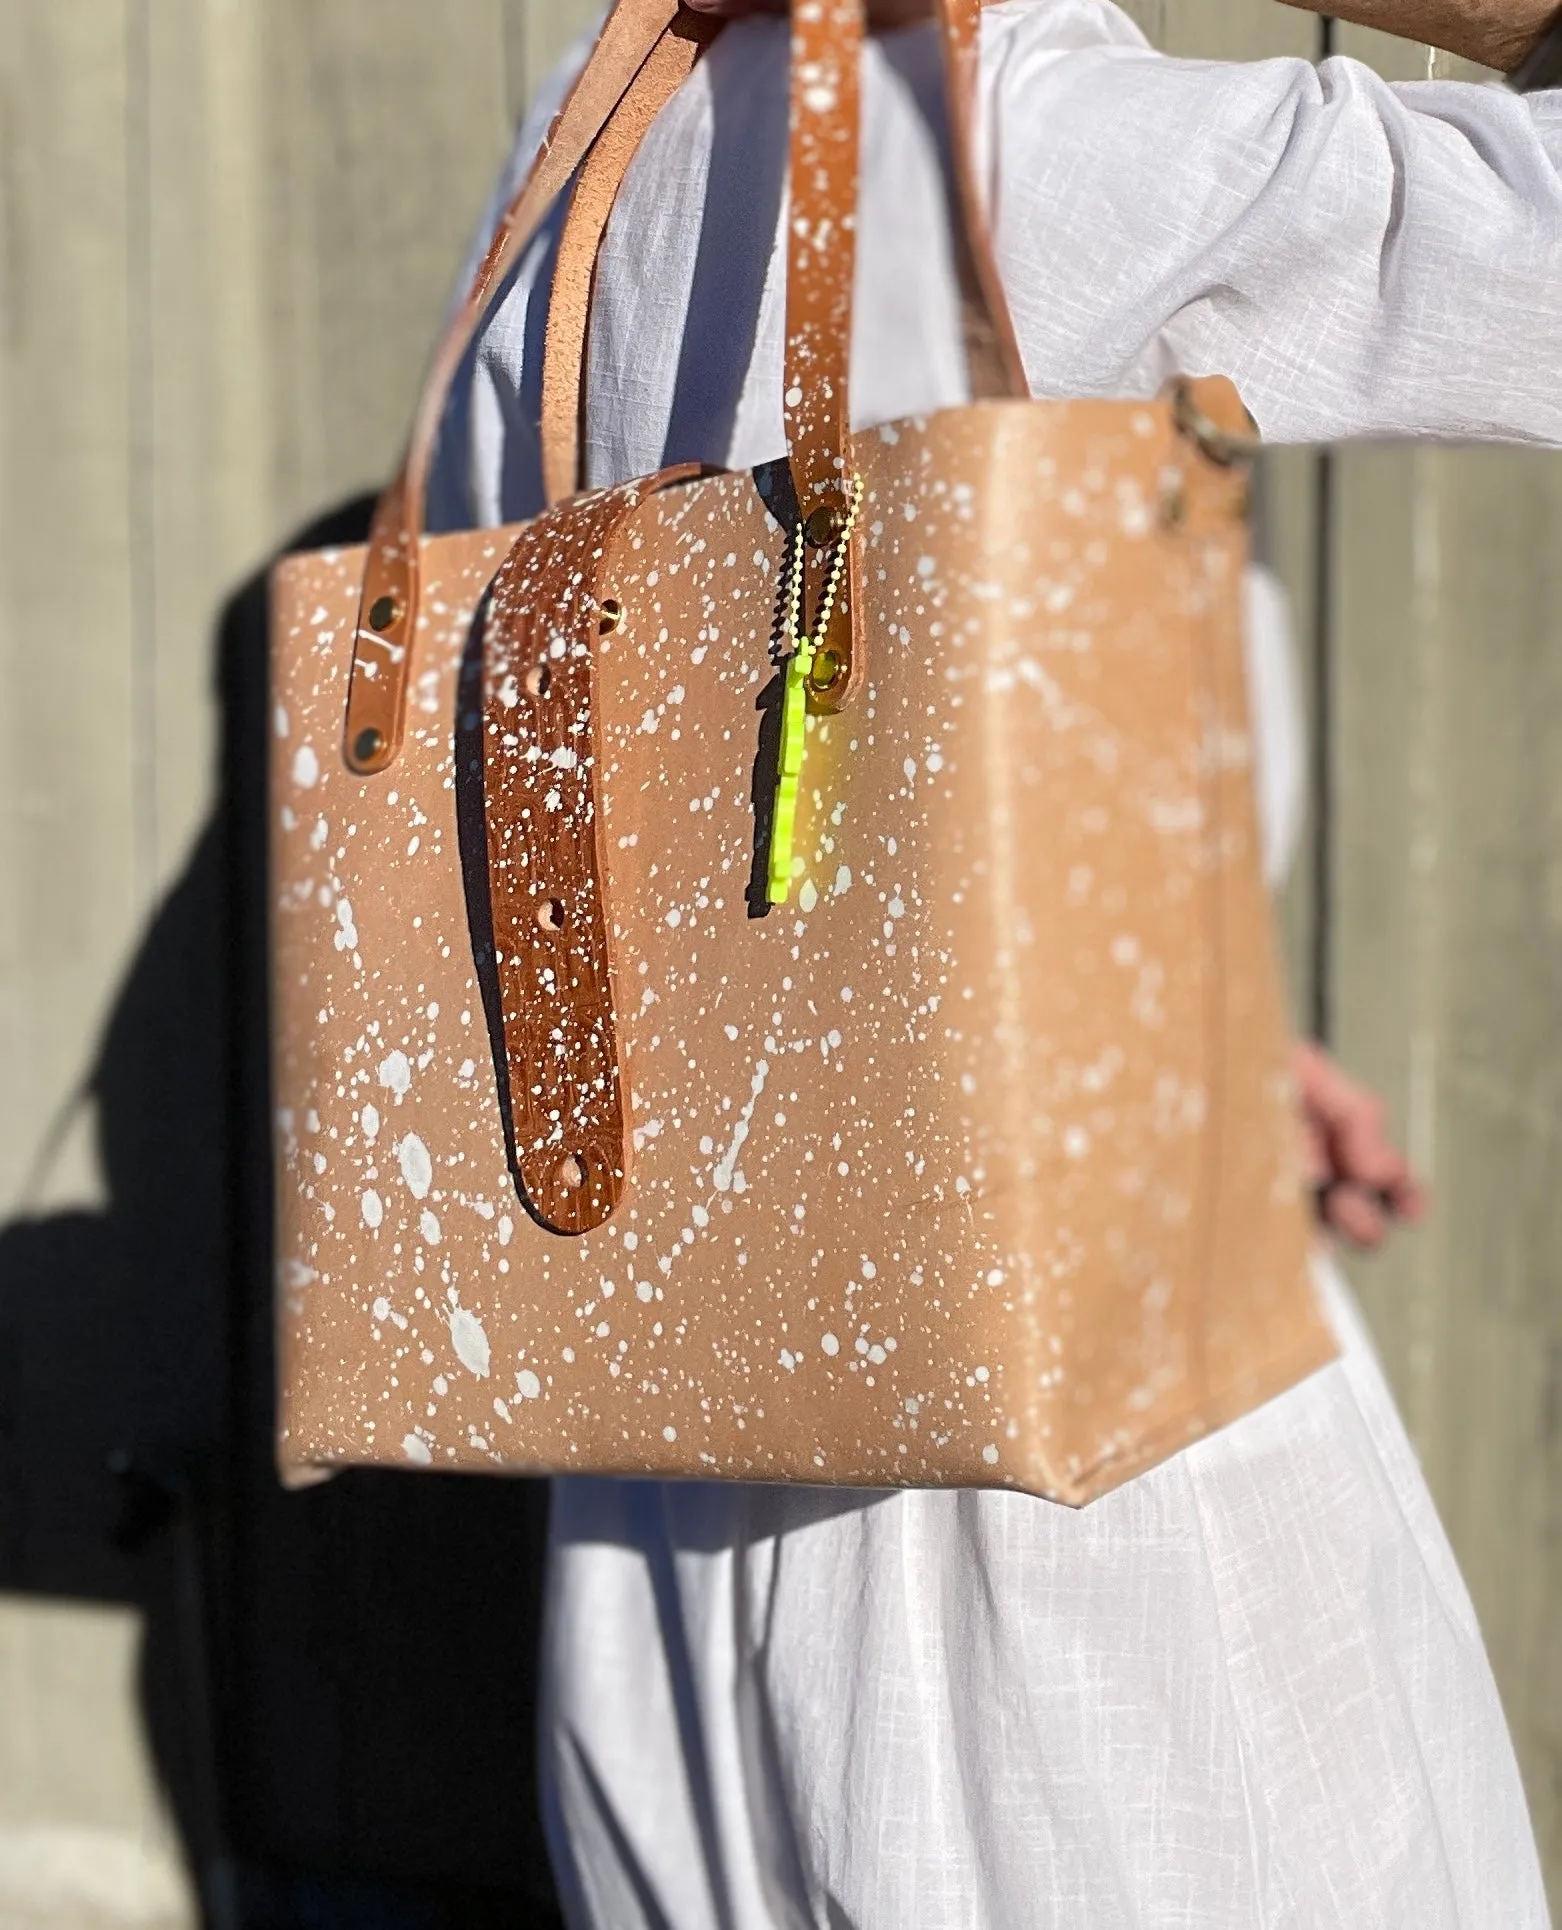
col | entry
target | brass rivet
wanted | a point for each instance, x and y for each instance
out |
(823, 526)
(612, 616)
(383, 612)
(368, 744)
(826, 672)
(550, 914)
(571, 1172)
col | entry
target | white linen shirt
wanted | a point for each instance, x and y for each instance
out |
(1247, 1691)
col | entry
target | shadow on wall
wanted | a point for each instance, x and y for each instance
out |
(338, 1686)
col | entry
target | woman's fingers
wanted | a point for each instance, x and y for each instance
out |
(1368, 1160)
(1364, 1182)
(1355, 1215)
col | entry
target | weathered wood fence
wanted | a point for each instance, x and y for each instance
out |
(226, 230)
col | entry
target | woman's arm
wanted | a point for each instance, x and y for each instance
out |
(1497, 33)
(1362, 259)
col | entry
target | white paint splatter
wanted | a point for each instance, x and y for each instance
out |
(726, 1166)
(373, 1208)
(428, 1226)
(470, 1341)
(416, 1449)
(369, 1119)
(527, 1385)
(396, 1074)
(306, 766)
(830, 1344)
(417, 1169)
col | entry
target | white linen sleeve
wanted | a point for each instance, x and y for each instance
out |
(1360, 258)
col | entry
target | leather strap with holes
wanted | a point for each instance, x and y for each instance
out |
(547, 874)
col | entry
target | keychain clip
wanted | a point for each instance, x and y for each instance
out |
(794, 698)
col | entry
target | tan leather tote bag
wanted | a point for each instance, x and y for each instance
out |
(772, 975)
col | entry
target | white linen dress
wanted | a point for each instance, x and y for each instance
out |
(1247, 1691)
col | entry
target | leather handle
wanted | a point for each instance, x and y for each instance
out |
(574, 268)
(388, 607)
(821, 243)
(826, 58)
(992, 353)
(991, 344)
(825, 113)
(637, 62)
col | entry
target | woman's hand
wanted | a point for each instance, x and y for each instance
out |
(1363, 1184)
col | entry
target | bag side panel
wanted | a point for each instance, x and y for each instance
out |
(393, 1188)
(1261, 1327)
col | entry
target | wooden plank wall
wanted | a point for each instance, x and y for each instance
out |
(226, 231)
(1444, 986)
(227, 228)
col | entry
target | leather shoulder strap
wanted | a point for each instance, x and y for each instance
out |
(388, 608)
(631, 36)
(574, 269)
(992, 353)
(826, 57)
(991, 345)
(822, 181)
(825, 111)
